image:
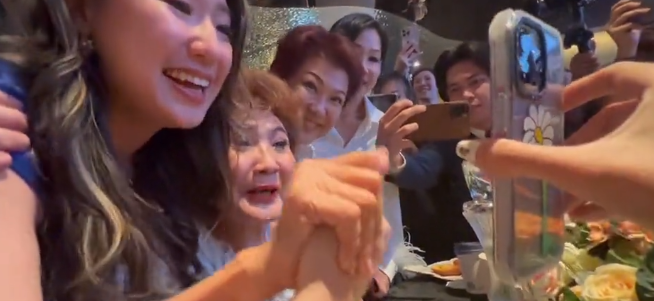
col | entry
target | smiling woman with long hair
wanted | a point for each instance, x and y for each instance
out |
(112, 124)
(129, 123)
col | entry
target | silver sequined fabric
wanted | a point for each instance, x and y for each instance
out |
(267, 25)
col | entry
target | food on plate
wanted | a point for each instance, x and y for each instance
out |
(448, 268)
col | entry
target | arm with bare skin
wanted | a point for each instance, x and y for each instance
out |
(319, 277)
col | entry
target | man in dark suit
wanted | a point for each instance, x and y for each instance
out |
(462, 74)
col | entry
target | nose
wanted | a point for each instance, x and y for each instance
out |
(316, 107)
(468, 95)
(266, 162)
(366, 68)
(204, 46)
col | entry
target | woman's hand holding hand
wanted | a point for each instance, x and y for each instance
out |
(319, 277)
(13, 125)
(341, 193)
(607, 162)
(393, 130)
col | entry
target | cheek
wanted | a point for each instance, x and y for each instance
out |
(286, 167)
(333, 112)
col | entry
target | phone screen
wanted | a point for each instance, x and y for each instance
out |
(538, 119)
(383, 101)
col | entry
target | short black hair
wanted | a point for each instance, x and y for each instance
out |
(421, 70)
(395, 77)
(476, 52)
(352, 25)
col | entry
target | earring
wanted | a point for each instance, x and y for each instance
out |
(86, 47)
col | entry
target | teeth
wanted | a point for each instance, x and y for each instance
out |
(183, 76)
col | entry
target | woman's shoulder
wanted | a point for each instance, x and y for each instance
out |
(213, 254)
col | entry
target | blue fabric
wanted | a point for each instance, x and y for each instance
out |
(10, 82)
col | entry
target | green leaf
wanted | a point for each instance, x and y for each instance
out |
(630, 258)
(566, 294)
(645, 279)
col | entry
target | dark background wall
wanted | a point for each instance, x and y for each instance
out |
(467, 19)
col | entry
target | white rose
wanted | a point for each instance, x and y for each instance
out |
(611, 282)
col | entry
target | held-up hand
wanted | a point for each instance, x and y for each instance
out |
(341, 193)
(13, 125)
(319, 277)
(608, 161)
(393, 130)
(408, 54)
(624, 32)
(380, 285)
(583, 64)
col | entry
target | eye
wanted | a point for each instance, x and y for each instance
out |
(281, 145)
(310, 86)
(180, 6)
(337, 100)
(240, 141)
(374, 59)
(225, 29)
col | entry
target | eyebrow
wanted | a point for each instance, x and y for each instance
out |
(278, 129)
(316, 76)
(222, 8)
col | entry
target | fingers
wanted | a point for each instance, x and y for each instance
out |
(564, 167)
(629, 26)
(400, 119)
(11, 140)
(10, 102)
(375, 160)
(382, 242)
(5, 161)
(395, 109)
(605, 122)
(355, 215)
(621, 8)
(627, 16)
(362, 187)
(628, 80)
(12, 118)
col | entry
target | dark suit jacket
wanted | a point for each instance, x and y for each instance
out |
(436, 232)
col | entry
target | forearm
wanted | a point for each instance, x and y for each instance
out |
(241, 280)
(320, 278)
(420, 171)
(318, 291)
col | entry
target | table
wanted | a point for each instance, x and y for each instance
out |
(426, 288)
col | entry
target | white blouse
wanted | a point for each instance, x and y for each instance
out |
(214, 254)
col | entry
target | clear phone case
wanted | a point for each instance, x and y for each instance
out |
(527, 75)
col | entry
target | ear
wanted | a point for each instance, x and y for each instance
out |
(81, 13)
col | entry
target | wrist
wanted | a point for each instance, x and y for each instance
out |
(259, 268)
(397, 162)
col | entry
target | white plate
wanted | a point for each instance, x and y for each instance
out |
(426, 270)
(457, 285)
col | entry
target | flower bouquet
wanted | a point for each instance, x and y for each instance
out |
(601, 260)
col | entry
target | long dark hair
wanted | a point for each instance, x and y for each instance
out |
(104, 236)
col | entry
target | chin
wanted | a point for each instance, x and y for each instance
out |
(262, 213)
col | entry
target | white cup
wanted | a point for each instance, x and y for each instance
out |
(482, 274)
(468, 256)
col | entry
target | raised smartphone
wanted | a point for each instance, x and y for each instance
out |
(527, 79)
(442, 121)
(383, 101)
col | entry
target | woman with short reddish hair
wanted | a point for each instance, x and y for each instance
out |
(324, 69)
